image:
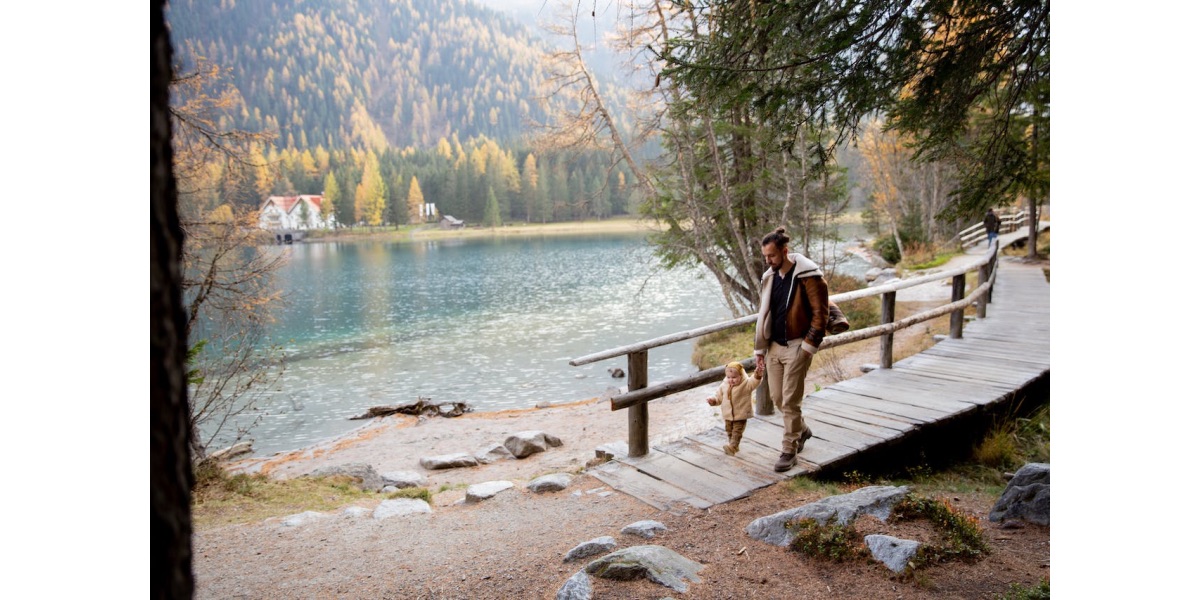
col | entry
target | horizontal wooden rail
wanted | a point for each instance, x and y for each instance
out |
(717, 373)
(891, 286)
(640, 392)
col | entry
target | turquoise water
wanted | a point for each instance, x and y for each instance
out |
(489, 322)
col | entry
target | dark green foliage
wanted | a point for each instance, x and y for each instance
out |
(885, 245)
(832, 542)
(962, 536)
(970, 80)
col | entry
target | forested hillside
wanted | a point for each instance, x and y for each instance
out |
(379, 105)
(371, 74)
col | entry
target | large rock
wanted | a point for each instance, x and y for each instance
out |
(593, 547)
(364, 475)
(354, 512)
(656, 563)
(644, 529)
(449, 461)
(401, 507)
(303, 518)
(403, 479)
(876, 500)
(482, 491)
(490, 454)
(884, 276)
(578, 587)
(892, 552)
(525, 443)
(550, 483)
(1027, 496)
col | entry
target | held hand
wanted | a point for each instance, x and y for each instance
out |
(759, 363)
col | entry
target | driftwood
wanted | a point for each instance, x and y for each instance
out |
(423, 406)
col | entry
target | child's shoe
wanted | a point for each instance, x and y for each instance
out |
(730, 450)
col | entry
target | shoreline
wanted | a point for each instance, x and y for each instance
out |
(615, 225)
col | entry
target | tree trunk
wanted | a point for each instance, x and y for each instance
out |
(170, 463)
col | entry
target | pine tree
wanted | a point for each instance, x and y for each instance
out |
(491, 218)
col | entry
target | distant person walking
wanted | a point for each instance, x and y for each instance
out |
(991, 224)
(792, 317)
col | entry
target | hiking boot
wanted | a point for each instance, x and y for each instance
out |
(803, 438)
(786, 461)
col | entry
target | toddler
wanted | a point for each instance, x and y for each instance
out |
(734, 398)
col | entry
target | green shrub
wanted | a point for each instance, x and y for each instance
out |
(827, 542)
(961, 534)
(1017, 591)
(886, 246)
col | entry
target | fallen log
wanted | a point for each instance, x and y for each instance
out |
(422, 406)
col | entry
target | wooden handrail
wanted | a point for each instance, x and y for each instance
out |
(640, 392)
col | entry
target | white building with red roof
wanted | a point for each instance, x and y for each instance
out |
(280, 213)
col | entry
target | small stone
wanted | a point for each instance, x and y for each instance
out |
(592, 547)
(549, 483)
(488, 489)
(401, 507)
(645, 529)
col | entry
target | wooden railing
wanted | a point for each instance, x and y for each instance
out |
(639, 391)
(976, 233)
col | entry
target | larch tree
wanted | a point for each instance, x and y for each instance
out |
(416, 202)
(330, 197)
(369, 195)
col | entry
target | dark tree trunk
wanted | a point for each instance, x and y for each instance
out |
(170, 463)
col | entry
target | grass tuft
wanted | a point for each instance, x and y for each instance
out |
(1016, 591)
(221, 498)
(962, 536)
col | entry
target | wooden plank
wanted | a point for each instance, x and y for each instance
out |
(884, 429)
(817, 451)
(659, 494)
(700, 482)
(919, 414)
(948, 405)
(838, 433)
(829, 404)
(755, 453)
(730, 467)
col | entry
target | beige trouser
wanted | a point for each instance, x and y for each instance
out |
(734, 430)
(787, 366)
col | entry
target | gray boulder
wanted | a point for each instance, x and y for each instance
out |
(400, 507)
(656, 563)
(892, 552)
(482, 491)
(549, 483)
(1027, 496)
(876, 500)
(644, 529)
(364, 475)
(403, 479)
(884, 276)
(303, 518)
(599, 545)
(525, 443)
(491, 454)
(356, 512)
(578, 587)
(449, 461)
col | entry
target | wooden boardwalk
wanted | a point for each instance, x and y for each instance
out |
(995, 358)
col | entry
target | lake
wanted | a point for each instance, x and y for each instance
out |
(487, 321)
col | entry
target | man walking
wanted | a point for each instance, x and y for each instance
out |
(991, 224)
(792, 315)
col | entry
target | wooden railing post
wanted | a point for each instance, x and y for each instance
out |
(639, 415)
(887, 314)
(762, 398)
(958, 291)
(981, 304)
(991, 268)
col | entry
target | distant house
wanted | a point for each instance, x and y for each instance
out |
(282, 213)
(449, 222)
